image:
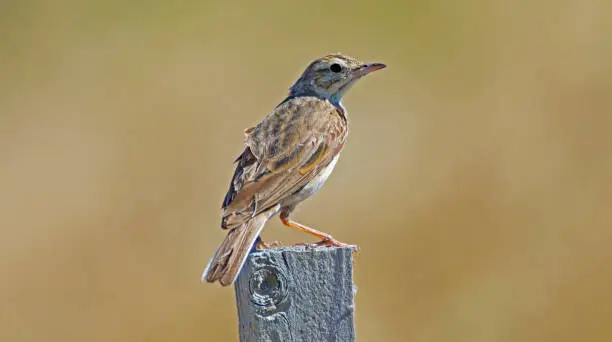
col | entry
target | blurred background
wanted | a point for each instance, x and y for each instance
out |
(476, 180)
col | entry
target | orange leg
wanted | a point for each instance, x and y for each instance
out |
(327, 239)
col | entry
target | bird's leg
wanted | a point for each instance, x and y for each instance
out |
(327, 240)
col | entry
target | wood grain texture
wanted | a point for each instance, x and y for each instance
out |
(297, 294)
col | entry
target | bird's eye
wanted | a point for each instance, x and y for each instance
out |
(335, 67)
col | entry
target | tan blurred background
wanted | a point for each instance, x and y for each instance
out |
(477, 177)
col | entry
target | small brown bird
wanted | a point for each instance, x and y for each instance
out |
(288, 157)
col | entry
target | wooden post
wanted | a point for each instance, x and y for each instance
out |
(297, 293)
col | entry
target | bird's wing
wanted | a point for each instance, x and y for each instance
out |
(285, 152)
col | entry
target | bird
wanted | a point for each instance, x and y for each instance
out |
(287, 158)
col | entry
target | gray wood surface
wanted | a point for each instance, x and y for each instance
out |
(297, 294)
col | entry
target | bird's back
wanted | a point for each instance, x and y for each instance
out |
(284, 152)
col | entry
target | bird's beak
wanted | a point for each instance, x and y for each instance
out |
(368, 68)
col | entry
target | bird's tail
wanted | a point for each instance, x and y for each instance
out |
(229, 258)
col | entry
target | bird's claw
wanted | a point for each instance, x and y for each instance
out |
(268, 245)
(330, 243)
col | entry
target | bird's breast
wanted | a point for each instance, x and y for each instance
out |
(318, 181)
(314, 185)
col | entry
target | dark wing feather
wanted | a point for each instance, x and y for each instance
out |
(245, 160)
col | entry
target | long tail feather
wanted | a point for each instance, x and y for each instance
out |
(229, 258)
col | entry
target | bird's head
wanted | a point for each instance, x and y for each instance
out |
(329, 77)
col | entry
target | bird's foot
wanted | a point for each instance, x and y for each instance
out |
(331, 242)
(268, 245)
(335, 243)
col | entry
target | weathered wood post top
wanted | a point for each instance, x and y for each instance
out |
(297, 293)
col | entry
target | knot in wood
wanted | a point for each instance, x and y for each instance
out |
(268, 287)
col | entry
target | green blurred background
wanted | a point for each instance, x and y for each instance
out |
(477, 177)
